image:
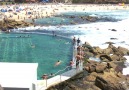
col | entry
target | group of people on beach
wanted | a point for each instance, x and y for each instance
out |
(35, 11)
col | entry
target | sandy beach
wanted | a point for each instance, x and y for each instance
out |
(34, 11)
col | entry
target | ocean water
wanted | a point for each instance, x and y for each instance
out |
(45, 50)
(96, 33)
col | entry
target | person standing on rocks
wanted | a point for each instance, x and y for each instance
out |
(78, 42)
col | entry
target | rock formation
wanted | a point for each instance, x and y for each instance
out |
(105, 74)
(11, 24)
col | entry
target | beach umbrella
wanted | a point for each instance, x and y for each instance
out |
(29, 12)
(45, 1)
(3, 10)
(17, 10)
(10, 10)
(21, 8)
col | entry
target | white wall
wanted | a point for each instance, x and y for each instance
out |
(18, 74)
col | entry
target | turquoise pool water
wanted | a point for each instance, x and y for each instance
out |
(36, 48)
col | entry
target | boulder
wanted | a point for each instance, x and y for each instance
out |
(90, 78)
(111, 46)
(105, 57)
(111, 65)
(91, 19)
(113, 30)
(19, 23)
(88, 55)
(88, 86)
(91, 68)
(124, 50)
(119, 69)
(87, 68)
(115, 57)
(107, 51)
(92, 62)
(119, 53)
(97, 50)
(109, 83)
(101, 67)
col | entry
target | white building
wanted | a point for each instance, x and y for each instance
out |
(18, 76)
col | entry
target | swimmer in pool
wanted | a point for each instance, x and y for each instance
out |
(58, 63)
(33, 46)
(67, 43)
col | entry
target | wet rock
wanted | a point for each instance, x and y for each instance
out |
(72, 22)
(91, 19)
(110, 43)
(72, 16)
(113, 30)
(113, 38)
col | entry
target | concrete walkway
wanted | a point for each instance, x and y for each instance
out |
(44, 84)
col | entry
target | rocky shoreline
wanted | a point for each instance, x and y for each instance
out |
(103, 75)
(6, 25)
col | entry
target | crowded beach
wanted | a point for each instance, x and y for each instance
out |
(22, 12)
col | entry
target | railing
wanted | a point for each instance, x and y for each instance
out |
(56, 78)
